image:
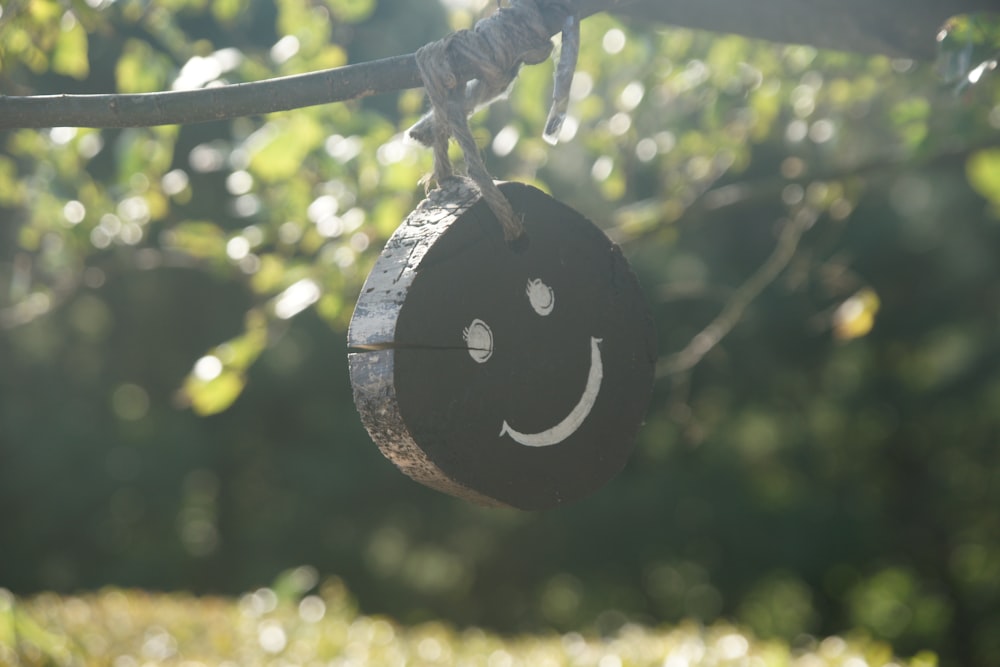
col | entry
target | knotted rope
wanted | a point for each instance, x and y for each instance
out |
(495, 49)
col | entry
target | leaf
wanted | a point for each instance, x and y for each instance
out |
(290, 585)
(329, 57)
(140, 69)
(351, 11)
(203, 240)
(281, 158)
(330, 307)
(19, 46)
(983, 171)
(910, 118)
(144, 150)
(242, 351)
(215, 395)
(20, 629)
(218, 378)
(270, 275)
(855, 317)
(70, 56)
(225, 11)
(11, 188)
(43, 11)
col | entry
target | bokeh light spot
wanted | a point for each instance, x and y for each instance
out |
(208, 368)
(130, 401)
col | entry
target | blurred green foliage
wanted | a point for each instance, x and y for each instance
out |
(268, 628)
(174, 403)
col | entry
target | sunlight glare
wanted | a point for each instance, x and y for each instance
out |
(631, 96)
(296, 298)
(475, 6)
(602, 168)
(284, 48)
(977, 73)
(620, 123)
(272, 637)
(206, 157)
(208, 368)
(134, 209)
(245, 206)
(237, 248)
(322, 207)
(289, 232)
(582, 86)
(62, 135)
(646, 149)
(261, 601)
(330, 227)
(196, 72)
(614, 41)
(312, 608)
(343, 149)
(90, 145)
(239, 182)
(74, 212)
(732, 646)
(569, 129)
(174, 182)
(505, 141)
(353, 219)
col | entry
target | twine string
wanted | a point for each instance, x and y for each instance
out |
(563, 79)
(496, 48)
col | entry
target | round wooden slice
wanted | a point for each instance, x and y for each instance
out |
(506, 374)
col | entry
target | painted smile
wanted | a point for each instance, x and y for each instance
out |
(577, 415)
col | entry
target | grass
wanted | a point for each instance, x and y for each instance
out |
(129, 628)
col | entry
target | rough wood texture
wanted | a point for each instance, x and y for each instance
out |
(385, 289)
(373, 328)
(375, 397)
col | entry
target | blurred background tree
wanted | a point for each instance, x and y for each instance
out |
(174, 403)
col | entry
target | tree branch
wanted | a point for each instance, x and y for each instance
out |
(896, 27)
(207, 104)
(732, 312)
(899, 28)
(241, 99)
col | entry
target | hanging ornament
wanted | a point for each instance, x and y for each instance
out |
(506, 372)
(501, 348)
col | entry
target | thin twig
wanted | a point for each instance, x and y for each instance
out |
(731, 314)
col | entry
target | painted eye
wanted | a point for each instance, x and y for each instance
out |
(479, 339)
(541, 296)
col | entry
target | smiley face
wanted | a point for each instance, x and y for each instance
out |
(479, 338)
(521, 377)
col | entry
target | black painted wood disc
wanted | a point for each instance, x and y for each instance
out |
(506, 375)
